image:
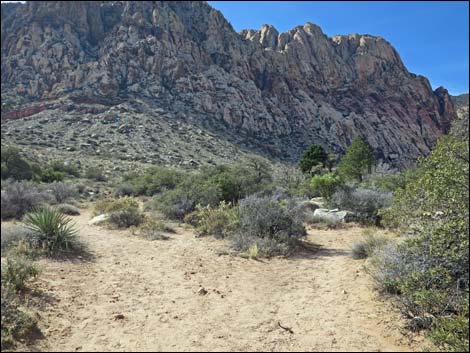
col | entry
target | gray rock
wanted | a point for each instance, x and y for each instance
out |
(335, 216)
(98, 220)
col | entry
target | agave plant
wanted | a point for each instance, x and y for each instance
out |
(53, 230)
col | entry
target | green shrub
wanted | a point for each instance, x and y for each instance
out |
(327, 184)
(53, 230)
(429, 269)
(366, 247)
(194, 190)
(68, 209)
(16, 271)
(154, 181)
(95, 173)
(11, 236)
(219, 222)
(16, 323)
(65, 167)
(152, 229)
(50, 175)
(125, 190)
(263, 221)
(112, 205)
(390, 182)
(126, 217)
(14, 166)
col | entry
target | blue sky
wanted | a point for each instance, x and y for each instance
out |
(431, 36)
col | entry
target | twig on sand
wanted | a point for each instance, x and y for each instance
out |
(288, 329)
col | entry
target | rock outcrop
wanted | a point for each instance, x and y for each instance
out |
(282, 91)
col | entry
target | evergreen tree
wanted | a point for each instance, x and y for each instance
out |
(312, 157)
(358, 160)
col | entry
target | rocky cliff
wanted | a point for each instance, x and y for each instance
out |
(273, 92)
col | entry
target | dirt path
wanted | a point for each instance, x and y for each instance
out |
(324, 297)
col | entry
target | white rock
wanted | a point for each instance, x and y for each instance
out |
(98, 220)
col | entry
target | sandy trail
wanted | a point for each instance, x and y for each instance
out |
(324, 297)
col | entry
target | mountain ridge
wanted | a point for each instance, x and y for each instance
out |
(279, 92)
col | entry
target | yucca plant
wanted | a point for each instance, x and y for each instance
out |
(53, 230)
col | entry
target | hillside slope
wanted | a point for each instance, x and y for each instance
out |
(274, 93)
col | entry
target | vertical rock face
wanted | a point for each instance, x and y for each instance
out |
(286, 90)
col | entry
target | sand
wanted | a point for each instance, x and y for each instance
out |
(133, 294)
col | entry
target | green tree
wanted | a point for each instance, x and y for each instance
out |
(14, 165)
(313, 156)
(358, 160)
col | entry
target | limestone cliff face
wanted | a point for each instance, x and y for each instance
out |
(282, 90)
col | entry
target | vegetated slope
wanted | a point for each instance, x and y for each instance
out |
(274, 93)
(137, 295)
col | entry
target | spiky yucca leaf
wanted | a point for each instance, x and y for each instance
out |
(54, 230)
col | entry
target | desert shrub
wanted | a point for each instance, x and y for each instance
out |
(219, 221)
(68, 209)
(293, 180)
(16, 271)
(126, 217)
(389, 182)
(20, 197)
(180, 193)
(53, 230)
(326, 185)
(263, 221)
(16, 323)
(112, 205)
(14, 166)
(11, 236)
(65, 167)
(50, 175)
(154, 180)
(364, 203)
(80, 188)
(366, 247)
(451, 333)
(357, 161)
(95, 173)
(125, 190)
(194, 190)
(153, 230)
(62, 192)
(430, 267)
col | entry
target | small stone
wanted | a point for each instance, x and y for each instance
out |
(202, 291)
